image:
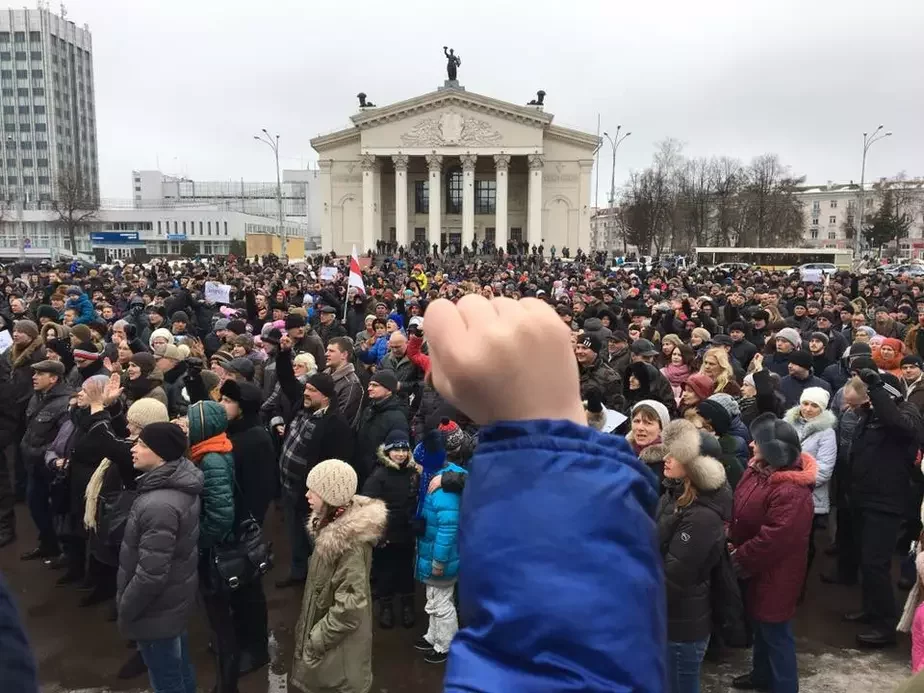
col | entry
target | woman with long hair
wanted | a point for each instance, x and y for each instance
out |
(719, 369)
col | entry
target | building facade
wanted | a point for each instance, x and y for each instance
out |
(48, 112)
(118, 233)
(455, 167)
(830, 210)
(153, 189)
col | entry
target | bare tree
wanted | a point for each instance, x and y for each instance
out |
(772, 213)
(74, 204)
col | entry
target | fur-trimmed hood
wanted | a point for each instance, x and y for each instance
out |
(806, 429)
(363, 521)
(386, 461)
(653, 454)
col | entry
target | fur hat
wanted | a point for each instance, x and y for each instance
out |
(715, 414)
(816, 395)
(791, 336)
(334, 481)
(776, 440)
(147, 410)
(247, 395)
(683, 442)
(801, 358)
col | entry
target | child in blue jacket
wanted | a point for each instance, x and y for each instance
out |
(80, 302)
(561, 585)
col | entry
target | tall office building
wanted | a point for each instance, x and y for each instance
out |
(47, 112)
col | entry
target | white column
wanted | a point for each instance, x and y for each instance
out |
(501, 225)
(583, 239)
(368, 164)
(327, 232)
(400, 161)
(468, 198)
(534, 206)
(435, 164)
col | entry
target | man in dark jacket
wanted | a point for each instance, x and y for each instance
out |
(304, 339)
(171, 364)
(158, 562)
(405, 370)
(329, 326)
(317, 433)
(617, 354)
(384, 412)
(595, 374)
(26, 351)
(254, 470)
(800, 377)
(837, 345)
(347, 386)
(882, 455)
(46, 412)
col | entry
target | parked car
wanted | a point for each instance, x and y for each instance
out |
(733, 266)
(826, 268)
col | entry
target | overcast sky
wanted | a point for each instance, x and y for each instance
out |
(186, 83)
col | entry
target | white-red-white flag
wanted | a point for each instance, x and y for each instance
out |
(356, 275)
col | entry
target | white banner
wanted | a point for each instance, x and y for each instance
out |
(217, 293)
(813, 276)
(328, 274)
(6, 340)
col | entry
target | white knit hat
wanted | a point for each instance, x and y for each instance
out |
(659, 409)
(147, 410)
(791, 336)
(334, 481)
(816, 395)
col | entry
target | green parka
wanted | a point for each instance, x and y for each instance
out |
(207, 425)
(333, 638)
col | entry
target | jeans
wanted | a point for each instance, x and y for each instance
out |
(684, 660)
(443, 620)
(296, 517)
(38, 494)
(169, 667)
(774, 656)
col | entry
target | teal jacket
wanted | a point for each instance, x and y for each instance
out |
(440, 541)
(208, 420)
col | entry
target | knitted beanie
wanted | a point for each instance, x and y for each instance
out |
(210, 379)
(334, 481)
(165, 439)
(26, 327)
(791, 336)
(727, 401)
(81, 333)
(147, 410)
(658, 408)
(453, 436)
(144, 361)
(816, 395)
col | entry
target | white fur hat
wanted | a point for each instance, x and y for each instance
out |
(682, 441)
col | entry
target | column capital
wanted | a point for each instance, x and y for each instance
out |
(536, 161)
(468, 161)
(400, 161)
(502, 162)
(434, 162)
(325, 164)
(368, 162)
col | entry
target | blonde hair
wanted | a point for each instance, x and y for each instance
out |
(857, 386)
(688, 496)
(727, 375)
(306, 360)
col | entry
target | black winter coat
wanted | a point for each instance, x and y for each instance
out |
(602, 377)
(44, 415)
(882, 454)
(20, 388)
(397, 486)
(254, 468)
(378, 419)
(691, 541)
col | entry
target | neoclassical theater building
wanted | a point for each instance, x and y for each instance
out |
(453, 166)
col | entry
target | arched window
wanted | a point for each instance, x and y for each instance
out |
(454, 190)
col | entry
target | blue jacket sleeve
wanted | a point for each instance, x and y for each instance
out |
(556, 529)
(17, 665)
(85, 311)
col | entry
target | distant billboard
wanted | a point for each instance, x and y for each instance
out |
(115, 237)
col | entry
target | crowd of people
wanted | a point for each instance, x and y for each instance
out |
(727, 421)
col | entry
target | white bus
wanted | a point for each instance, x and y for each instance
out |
(774, 258)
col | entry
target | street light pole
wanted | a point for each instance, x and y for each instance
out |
(614, 144)
(868, 141)
(273, 143)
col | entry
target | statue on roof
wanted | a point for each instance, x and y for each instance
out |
(453, 62)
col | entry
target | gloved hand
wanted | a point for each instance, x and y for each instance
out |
(872, 378)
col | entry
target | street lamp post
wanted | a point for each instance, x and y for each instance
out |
(868, 141)
(273, 143)
(614, 143)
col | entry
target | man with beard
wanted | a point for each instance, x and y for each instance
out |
(318, 432)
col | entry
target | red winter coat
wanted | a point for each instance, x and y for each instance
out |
(771, 522)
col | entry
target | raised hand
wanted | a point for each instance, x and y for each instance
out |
(476, 352)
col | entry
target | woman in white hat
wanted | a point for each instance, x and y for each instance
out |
(333, 638)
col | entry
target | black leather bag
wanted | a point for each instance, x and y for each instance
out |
(244, 558)
(113, 511)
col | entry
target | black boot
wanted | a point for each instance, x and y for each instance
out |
(408, 613)
(228, 673)
(387, 614)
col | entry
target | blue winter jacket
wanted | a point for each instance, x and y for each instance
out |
(86, 313)
(561, 585)
(440, 541)
(378, 351)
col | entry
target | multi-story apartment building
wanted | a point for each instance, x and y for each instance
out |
(47, 110)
